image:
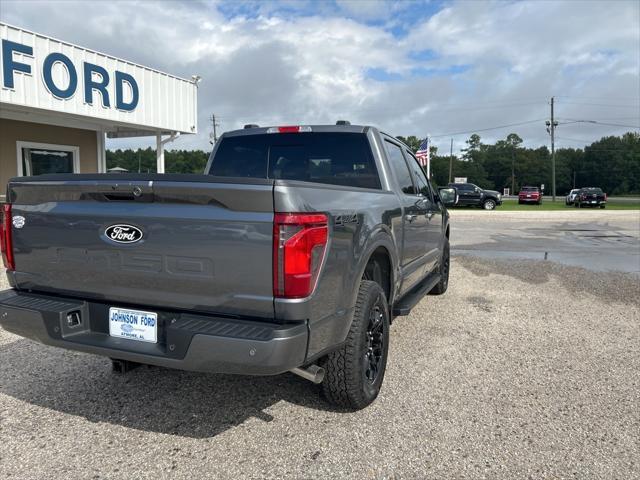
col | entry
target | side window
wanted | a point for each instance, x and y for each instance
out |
(418, 174)
(462, 186)
(399, 167)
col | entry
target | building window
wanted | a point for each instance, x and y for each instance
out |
(42, 158)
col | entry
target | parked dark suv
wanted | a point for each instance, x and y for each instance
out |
(472, 195)
(591, 197)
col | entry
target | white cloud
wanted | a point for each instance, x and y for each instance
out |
(488, 63)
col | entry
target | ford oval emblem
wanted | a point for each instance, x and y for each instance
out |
(126, 328)
(123, 233)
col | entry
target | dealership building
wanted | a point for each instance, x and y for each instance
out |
(59, 102)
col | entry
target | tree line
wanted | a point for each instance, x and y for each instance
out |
(143, 160)
(612, 163)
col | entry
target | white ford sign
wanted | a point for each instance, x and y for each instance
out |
(45, 73)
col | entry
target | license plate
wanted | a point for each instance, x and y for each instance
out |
(528, 196)
(133, 324)
(593, 201)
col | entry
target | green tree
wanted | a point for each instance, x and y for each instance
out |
(411, 141)
(144, 160)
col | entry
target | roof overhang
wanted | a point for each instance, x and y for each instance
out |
(47, 117)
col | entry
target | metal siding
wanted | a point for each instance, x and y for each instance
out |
(161, 103)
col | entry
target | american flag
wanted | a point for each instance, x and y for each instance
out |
(423, 152)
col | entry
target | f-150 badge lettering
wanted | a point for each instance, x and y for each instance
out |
(123, 233)
(345, 219)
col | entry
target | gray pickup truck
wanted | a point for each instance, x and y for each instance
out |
(292, 253)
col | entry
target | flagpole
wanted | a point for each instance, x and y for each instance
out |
(428, 158)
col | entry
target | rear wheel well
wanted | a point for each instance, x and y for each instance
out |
(378, 269)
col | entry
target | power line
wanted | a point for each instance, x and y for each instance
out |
(635, 117)
(595, 122)
(487, 129)
(601, 105)
(615, 99)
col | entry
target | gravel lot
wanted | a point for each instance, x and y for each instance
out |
(524, 369)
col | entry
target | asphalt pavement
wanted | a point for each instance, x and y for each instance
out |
(525, 368)
(598, 240)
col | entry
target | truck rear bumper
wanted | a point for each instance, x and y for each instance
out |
(592, 203)
(186, 341)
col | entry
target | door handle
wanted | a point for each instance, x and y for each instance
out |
(410, 217)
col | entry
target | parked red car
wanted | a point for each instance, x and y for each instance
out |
(530, 195)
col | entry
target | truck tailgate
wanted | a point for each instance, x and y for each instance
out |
(206, 245)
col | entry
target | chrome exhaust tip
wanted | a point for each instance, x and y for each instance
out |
(313, 373)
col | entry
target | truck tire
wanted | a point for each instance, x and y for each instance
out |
(489, 204)
(354, 372)
(443, 271)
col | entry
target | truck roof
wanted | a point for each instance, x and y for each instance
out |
(314, 128)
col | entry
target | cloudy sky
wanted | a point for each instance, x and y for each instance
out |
(447, 68)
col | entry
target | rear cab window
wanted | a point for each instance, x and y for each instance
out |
(334, 158)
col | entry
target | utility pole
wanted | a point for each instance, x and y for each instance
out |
(451, 160)
(551, 129)
(513, 170)
(215, 124)
(553, 155)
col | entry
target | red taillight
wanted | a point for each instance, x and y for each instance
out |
(5, 237)
(299, 242)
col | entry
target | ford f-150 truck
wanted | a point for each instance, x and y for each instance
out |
(292, 253)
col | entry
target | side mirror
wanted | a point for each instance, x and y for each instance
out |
(448, 196)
